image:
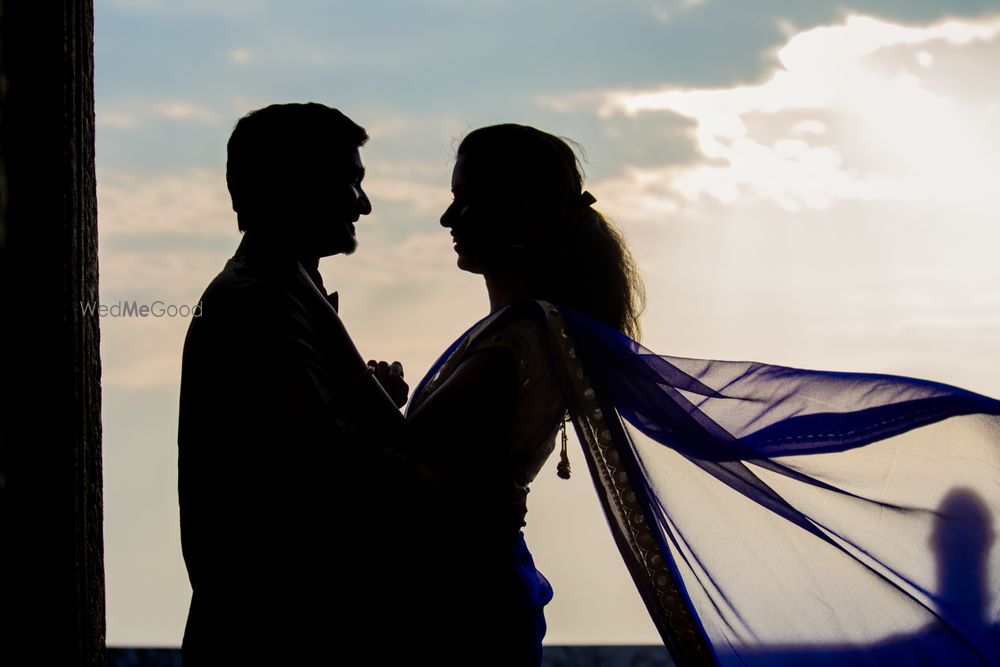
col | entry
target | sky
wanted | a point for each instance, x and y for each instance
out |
(806, 183)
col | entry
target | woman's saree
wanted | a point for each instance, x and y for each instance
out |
(772, 515)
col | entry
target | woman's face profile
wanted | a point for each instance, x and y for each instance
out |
(487, 220)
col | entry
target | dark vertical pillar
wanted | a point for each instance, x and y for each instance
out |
(51, 540)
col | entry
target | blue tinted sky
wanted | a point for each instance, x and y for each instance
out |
(805, 183)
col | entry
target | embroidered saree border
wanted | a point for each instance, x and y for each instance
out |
(599, 429)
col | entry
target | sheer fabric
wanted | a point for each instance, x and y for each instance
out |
(772, 515)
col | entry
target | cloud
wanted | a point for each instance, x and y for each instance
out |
(843, 118)
(572, 101)
(240, 56)
(421, 188)
(840, 212)
(175, 276)
(116, 121)
(185, 111)
(664, 11)
(660, 13)
(790, 173)
(638, 196)
(193, 202)
(130, 115)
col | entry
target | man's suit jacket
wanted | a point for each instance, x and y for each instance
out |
(279, 525)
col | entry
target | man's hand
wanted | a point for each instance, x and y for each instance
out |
(390, 376)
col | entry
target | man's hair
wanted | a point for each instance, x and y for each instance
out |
(270, 146)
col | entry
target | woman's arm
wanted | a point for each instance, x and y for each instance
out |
(462, 426)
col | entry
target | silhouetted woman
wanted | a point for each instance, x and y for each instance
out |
(491, 410)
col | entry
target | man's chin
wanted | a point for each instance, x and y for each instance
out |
(341, 246)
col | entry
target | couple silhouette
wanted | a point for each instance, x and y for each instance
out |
(766, 514)
(316, 520)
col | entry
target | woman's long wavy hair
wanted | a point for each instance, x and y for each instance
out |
(577, 258)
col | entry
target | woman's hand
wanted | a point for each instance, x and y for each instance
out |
(390, 376)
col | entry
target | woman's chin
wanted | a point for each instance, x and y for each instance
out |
(470, 264)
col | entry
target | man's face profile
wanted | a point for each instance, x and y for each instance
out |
(325, 201)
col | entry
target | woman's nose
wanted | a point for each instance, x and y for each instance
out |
(449, 216)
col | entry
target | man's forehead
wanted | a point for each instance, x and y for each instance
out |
(355, 159)
(337, 159)
(348, 160)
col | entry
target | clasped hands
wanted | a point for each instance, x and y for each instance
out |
(390, 376)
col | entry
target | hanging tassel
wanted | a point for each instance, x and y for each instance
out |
(563, 468)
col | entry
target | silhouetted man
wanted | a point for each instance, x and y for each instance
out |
(275, 485)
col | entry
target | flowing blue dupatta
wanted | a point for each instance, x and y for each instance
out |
(778, 516)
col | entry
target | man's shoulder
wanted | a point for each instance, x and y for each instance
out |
(248, 305)
(246, 290)
(239, 280)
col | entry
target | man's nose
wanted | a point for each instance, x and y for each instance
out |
(364, 204)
